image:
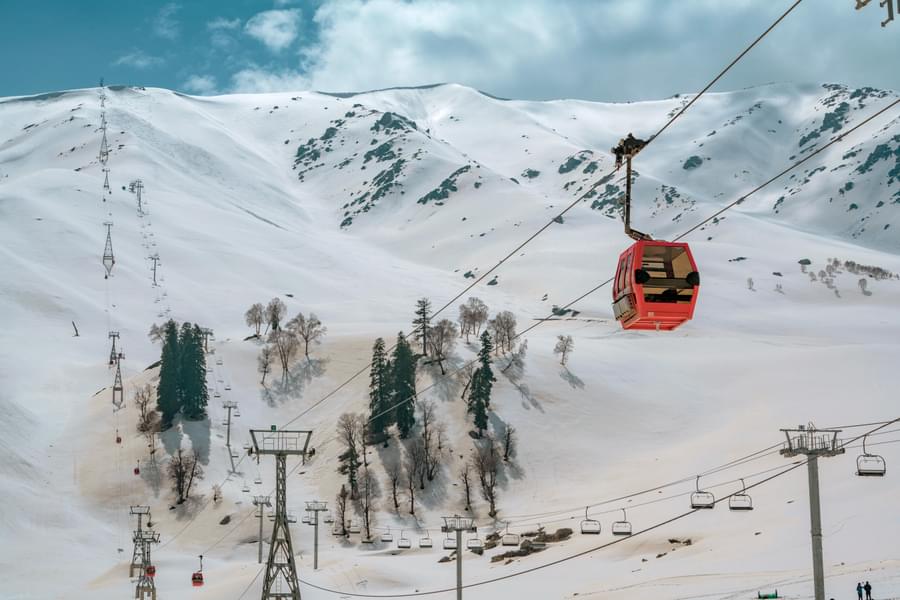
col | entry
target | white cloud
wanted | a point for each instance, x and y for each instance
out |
(223, 23)
(256, 79)
(277, 29)
(204, 85)
(165, 24)
(284, 2)
(138, 59)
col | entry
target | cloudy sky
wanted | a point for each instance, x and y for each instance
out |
(532, 49)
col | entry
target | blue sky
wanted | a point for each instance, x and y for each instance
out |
(533, 49)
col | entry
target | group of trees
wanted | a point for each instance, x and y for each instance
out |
(182, 373)
(284, 338)
(392, 390)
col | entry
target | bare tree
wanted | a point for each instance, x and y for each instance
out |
(510, 442)
(156, 333)
(427, 418)
(351, 433)
(255, 316)
(564, 346)
(144, 397)
(487, 466)
(184, 469)
(441, 338)
(341, 501)
(466, 374)
(368, 493)
(217, 493)
(440, 436)
(413, 467)
(274, 313)
(465, 476)
(286, 345)
(310, 330)
(264, 362)
(503, 328)
(395, 478)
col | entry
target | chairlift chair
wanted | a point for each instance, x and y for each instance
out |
(336, 529)
(237, 413)
(509, 539)
(425, 542)
(387, 537)
(741, 500)
(449, 542)
(228, 387)
(474, 543)
(306, 520)
(622, 527)
(589, 526)
(870, 465)
(702, 499)
(354, 527)
(403, 542)
(328, 518)
(258, 480)
(245, 488)
(219, 361)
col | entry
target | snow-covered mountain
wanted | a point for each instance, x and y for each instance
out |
(353, 207)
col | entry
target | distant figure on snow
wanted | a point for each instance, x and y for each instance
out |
(859, 590)
(868, 588)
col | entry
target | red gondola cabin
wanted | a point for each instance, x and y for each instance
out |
(656, 285)
(197, 579)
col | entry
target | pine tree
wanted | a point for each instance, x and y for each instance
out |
(403, 386)
(482, 384)
(194, 395)
(421, 322)
(379, 393)
(167, 400)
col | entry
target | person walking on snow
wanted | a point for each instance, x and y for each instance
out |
(868, 588)
(859, 590)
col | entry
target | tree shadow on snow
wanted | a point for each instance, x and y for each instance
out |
(199, 433)
(511, 469)
(292, 384)
(571, 379)
(447, 387)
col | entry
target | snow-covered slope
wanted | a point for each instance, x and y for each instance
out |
(355, 206)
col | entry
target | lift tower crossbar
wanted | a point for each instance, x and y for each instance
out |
(813, 443)
(281, 568)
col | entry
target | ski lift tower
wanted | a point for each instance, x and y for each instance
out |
(813, 443)
(146, 588)
(458, 524)
(281, 568)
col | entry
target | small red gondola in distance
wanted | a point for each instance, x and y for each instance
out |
(656, 285)
(657, 282)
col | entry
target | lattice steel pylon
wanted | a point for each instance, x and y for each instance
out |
(281, 568)
(113, 353)
(137, 555)
(106, 181)
(104, 146)
(145, 588)
(118, 391)
(108, 258)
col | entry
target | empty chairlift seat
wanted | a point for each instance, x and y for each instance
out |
(474, 543)
(449, 543)
(387, 537)
(354, 527)
(425, 542)
(655, 286)
(403, 542)
(509, 539)
(702, 499)
(622, 527)
(741, 500)
(588, 525)
(870, 465)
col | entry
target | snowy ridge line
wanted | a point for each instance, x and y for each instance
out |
(572, 205)
(539, 321)
(834, 140)
(564, 559)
